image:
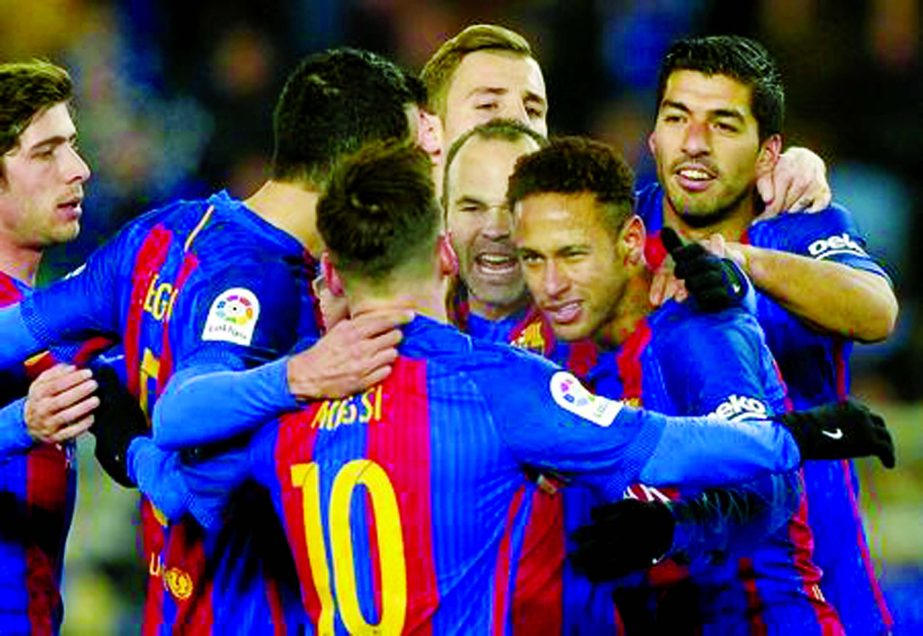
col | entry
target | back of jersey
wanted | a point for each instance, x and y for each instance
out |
(402, 507)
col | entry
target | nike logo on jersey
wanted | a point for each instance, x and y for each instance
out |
(837, 434)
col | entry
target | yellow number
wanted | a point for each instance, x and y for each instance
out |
(150, 370)
(388, 533)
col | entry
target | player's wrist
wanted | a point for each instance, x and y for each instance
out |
(301, 385)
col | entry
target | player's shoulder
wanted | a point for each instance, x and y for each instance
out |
(832, 219)
(681, 327)
(450, 351)
(648, 202)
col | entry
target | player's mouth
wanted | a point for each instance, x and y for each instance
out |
(563, 313)
(497, 265)
(695, 177)
(71, 209)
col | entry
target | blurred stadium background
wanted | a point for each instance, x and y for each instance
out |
(175, 99)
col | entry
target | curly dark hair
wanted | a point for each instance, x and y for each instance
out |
(577, 165)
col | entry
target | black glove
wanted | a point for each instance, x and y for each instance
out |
(625, 536)
(116, 422)
(839, 431)
(715, 283)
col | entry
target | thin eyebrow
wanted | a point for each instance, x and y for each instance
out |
(491, 90)
(469, 199)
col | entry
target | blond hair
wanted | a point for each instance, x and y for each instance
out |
(437, 74)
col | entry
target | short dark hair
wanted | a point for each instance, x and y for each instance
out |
(379, 210)
(577, 165)
(26, 90)
(503, 129)
(333, 103)
(438, 71)
(740, 58)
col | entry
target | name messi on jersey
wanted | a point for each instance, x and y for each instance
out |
(159, 299)
(364, 408)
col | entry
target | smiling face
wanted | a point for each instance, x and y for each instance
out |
(495, 85)
(571, 262)
(706, 145)
(42, 185)
(479, 223)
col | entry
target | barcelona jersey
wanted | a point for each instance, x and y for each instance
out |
(204, 284)
(404, 505)
(815, 368)
(37, 489)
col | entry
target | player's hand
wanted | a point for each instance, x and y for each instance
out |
(715, 283)
(119, 420)
(840, 430)
(665, 286)
(625, 536)
(797, 182)
(60, 403)
(354, 355)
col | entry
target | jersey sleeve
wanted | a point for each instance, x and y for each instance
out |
(239, 316)
(259, 394)
(228, 328)
(158, 474)
(179, 484)
(719, 364)
(552, 422)
(13, 435)
(723, 521)
(83, 303)
(829, 235)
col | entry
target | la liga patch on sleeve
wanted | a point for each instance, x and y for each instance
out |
(232, 317)
(572, 396)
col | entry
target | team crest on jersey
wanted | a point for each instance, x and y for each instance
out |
(531, 339)
(232, 317)
(741, 408)
(571, 396)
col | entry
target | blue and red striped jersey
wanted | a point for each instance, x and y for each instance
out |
(195, 283)
(404, 505)
(37, 491)
(815, 367)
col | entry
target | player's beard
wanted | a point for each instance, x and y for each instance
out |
(713, 215)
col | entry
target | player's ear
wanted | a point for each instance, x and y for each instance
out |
(331, 275)
(448, 259)
(631, 241)
(652, 145)
(429, 134)
(768, 157)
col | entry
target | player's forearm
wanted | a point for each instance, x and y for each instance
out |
(720, 522)
(204, 405)
(14, 438)
(156, 473)
(706, 452)
(18, 342)
(831, 296)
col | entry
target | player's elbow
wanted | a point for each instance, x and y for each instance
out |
(880, 315)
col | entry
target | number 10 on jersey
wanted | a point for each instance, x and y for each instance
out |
(342, 596)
